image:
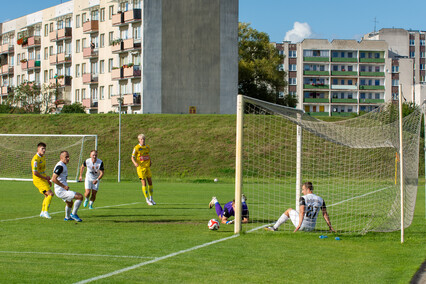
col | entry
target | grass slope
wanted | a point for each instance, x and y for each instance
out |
(123, 231)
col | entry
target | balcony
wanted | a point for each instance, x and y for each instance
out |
(372, 60)
(7, 48)
(375, 74)
(5, 90)
(91, 27)
(344, 73)
(33, 64)
(63, 58)
(24, 65)
(351, 101)
(319, 73)
(314, 100)
(343, 87)
(316, 86)
(117, 46)
(371, 101)
(316, 59)
(53, 36)
(7, 69)
(132, 72)
(90, 78)
(61, 81)
(132, 16)
(117, 74)
(118, 19)
(89, 52)
(89, 103)
(65, 33)
(33, 41)
(128, 99)
(343, 59)
(53, 59)
(130, 44)
(371, 87)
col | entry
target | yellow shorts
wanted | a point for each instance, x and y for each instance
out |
(42, 185)
(144, 173)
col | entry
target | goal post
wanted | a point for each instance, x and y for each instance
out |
(17, 150)
(351, 163)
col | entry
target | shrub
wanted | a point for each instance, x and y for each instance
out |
(73, 108)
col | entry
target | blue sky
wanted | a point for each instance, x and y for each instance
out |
(319, 19)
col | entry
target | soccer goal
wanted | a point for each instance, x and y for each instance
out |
(354, 165)
(17, 150)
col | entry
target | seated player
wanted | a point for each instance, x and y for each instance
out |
(306, 219)
(229, 210)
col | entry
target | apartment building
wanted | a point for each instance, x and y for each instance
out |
(407, 51)
(155, 56)
(337, 78)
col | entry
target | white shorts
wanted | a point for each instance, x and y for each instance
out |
(294, 216)
(65, 195)
(88, 183)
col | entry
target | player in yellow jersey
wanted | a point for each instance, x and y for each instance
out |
(142, 161)
(41, 180)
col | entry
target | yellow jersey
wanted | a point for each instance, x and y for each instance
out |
(38, 164)
(141, 155)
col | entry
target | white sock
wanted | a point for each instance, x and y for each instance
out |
(90, 202)
(67, 212)
(76, 206)
(281, 221)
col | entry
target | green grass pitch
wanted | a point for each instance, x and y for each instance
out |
(170, 242)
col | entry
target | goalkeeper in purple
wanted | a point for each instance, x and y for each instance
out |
(309, 206)
(228, 210)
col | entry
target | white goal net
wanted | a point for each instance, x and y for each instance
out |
(353, 165)
(17, 150)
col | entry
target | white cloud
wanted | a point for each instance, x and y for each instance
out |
(299, 32)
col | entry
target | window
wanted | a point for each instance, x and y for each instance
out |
(102, 17)
(422, 54)
(137, 32)
(350, 82)
(292, 81)
(377, 96)
(77, 21)
(350, 96)
(46, 76)
(83, 94)
(46, 30)
(350, 68)
(18, 59)
(411, 42)
(395, 82)
(68, 22)
(94, 94)
(102, 92)
(350, 54)
(77, 46)
(335, 68)
(51, 51)
(51, 27)
(110, 64)
(102, 40)
(110, 37)
(136, 4)
(94, 68)
(83, 18)
(293, 67)
(50, 73)
(94, 15)
(292, 53)
(77, 70)
(422, 42)
(83, 68)
(376, 55)
(77, 95)
(395, 96)
(422, 67)
(281, 67)
(110, 12)
(83, 43)
(60, 25)
(46, 53)
(109, 91)
(362, 55)
(412, 54)
(102, 67)
(281, 52)
(335, 54)
(395, 69)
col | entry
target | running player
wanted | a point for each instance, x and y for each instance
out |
(94, 173)
(229, 210)
(306, 219)
(41, 180)
(142, 161)
(59, 177)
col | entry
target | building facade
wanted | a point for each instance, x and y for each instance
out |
(154, 56)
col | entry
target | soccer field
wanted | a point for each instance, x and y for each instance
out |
(125, 241)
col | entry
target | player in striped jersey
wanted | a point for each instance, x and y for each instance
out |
(142, 161)
(306, 219)
(41, 180)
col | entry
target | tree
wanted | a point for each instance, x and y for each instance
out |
(259, 75)
(73, 108)
(29, 97)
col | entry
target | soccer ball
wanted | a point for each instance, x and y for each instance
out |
(215, 180)
(213, 224)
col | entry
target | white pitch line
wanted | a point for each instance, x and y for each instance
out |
(154, 260)
(359, 196)
(53, 213)
(73, 254)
